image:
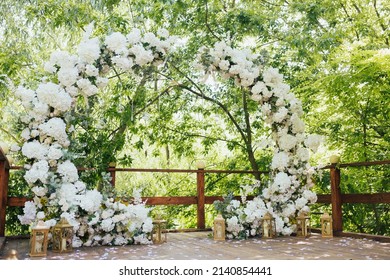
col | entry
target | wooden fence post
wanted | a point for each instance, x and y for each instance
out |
(335, 195)
(4, 176)
(112, 171)
(200, 198)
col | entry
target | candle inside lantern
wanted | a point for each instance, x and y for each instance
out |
(63, 244)
(38, 244)
(327, 228)
(266, 229)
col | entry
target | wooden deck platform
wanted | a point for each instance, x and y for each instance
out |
(200, 246)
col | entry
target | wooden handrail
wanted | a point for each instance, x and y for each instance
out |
(336, 198)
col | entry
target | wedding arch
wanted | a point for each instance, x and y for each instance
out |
(96, 217)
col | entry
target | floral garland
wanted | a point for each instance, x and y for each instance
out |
(58, 191)
(97, 218)
(289, 192)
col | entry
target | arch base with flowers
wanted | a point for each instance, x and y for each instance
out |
(96, 217)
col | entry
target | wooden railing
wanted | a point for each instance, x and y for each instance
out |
(336, 198)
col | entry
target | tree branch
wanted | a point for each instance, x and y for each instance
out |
(380, 21)
(207, 23)
(204, 136)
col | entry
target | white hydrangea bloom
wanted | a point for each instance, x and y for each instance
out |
(89, 50)
(87, 87)
(29, 213)
(55, 128)
(68, 76)
(116, 42)
(107, 225)
(68, 172)
(313, 141)
(25, 95)
(142, 56)
(123, 62)
(287, 142)
(91, 201)
(272, 77)
(55, 152)
(34, 150)
(280, 161)
(38, 171)
(39, 191)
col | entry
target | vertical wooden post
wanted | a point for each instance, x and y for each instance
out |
(112, 171)
(337, 214)
(4, 176)
(201, 199)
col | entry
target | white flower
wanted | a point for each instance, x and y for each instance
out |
(39, 171)
(91, 201)
(116, 42)
(300, 203)
(89, 50)
(280, 115)
(282, 181)
(68, 172)
(142, 56)
(148, 225)
(272, 77)
(134, 36)
(287, 142)
(68, 76)
(141, 239)
(123, 62)
(101, 82)
(313, 141)
(40, 215)
(53, 95)
(280, 161)
(87, 87)
(29, 213)
(91, 70)
(34, 150)
(224, 65)
(298, 126)
(39, 191)
(303, 154)
(162, 32)
(25, 95)
(55, 152)
(107, 225)
(107, 213)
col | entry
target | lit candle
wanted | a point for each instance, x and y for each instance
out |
(63, 243)
(38, 244)
(327, 228)
(266, 230)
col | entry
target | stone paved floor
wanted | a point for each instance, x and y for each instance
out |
(199, 246)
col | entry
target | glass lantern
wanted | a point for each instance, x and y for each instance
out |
(326, 225)
(303, 225)
(62, 237)
(38, 240)
(268, 226)
(159, 233)
(219, 228)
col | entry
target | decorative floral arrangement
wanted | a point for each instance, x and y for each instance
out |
(53, 177)
(95, 216)
(288, 192)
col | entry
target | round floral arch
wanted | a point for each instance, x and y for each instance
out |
(96, 217)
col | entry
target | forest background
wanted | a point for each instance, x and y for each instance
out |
(335, 55)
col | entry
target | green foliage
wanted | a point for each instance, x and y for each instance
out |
(333, 54)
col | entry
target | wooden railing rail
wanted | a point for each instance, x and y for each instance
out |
(336, 198)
